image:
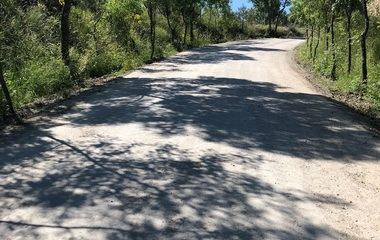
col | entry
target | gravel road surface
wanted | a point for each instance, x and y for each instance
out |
(223, 142)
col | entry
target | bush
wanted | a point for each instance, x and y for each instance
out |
(38, 79)
(105, 60)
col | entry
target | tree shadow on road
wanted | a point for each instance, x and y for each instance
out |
(166, 194)
(142, 191)
(239, 112)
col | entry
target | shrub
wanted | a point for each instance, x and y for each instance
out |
(38, 79)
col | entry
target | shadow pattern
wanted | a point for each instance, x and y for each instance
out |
(239, 112)
(169, 192)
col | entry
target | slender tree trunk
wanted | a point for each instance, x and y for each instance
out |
(363, 43)
(200, 17)
(94, 33)
(311, 41)
(192, 20)
(168, 14)
(186, 28)
(349, 40)
(7, 96)
(172, 31)
(276, 24)
(270, 27)
(209, 21)
(216, 19)
(333, 69)
(152, 19)
(65, 32)
(307, 36)
(185, 36)
(192, 36)
(270, 17)
(327, 41)
(317, 44)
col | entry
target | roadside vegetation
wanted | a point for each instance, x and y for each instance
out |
(52, 46)
(343, 48)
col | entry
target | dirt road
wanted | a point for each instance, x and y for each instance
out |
(224, 142)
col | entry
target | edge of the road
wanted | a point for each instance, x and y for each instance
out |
(366, 121)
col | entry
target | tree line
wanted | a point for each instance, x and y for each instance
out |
(343, 42)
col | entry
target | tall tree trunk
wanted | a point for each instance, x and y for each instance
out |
(185, 36)
(172, 31)
(209, 21)
(65, 32)
(307, 35)
(311, 41)
(276, 24)
(192, 20)
(216, 19)
(363, 43)
(152, 19)
(192, 36)
(317, 44)
(270, 17)
(186, 28)
(349, 40)
(168, 14)
(7, 96)
(333, 69)
(327, 41)
(270, 27)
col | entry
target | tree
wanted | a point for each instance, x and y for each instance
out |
(151, 6)
(189, 10)
(272, 10)
(303, 12)
(284, 4)
(124, 16)
(347, 8)
(348, 13)
(243, 16)
(269, 8)
(8, 14)
(167, 8)
(5, 91)
(65, 31)
(332, 30)
(363, 43)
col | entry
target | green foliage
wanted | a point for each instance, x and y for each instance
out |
(348, 19)
(105, 61)
(37, 79)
